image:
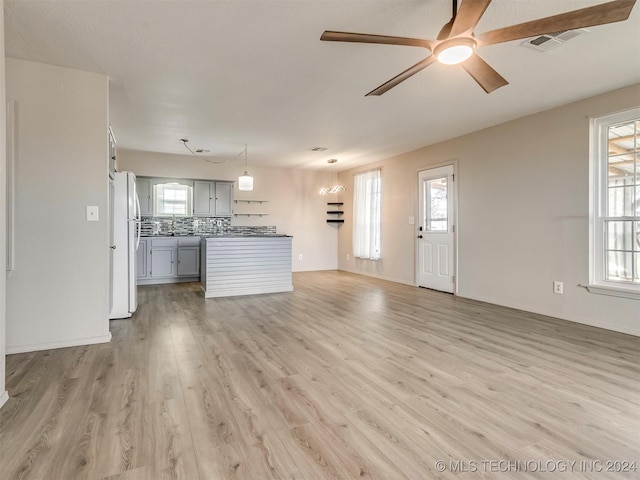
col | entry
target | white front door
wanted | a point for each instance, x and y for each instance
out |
(436, 252)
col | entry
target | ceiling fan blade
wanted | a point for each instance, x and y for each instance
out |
(385, 87)
(330, 36)
(610, 12)
(468, 16)
(483, 73)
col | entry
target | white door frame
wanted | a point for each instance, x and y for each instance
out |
(454, 191)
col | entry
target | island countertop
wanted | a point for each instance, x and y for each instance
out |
(245, 265)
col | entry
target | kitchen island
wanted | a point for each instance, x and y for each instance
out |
(245, 265)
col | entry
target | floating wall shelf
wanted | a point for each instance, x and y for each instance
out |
(335, 212)
(249, 214)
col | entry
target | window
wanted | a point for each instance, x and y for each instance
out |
(366, 215)
(172, 199)
(615, 204)
(436, 205)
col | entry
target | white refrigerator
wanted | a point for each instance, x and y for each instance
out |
(126, 238)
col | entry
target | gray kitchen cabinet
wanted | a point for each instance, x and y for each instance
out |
(163, 257)
(163, 262)
(145, 195)
(212, 199)
(188, 261)
(142, 259)
(204, 198)
(168, 260)
(188, 256)
(224, 199)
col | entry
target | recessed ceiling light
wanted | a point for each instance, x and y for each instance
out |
(318, 149)
(332, 160)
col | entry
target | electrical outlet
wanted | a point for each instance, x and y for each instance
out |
(218, 223)
(558, 287)
(300, 256)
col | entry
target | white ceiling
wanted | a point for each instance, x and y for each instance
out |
(226, 73)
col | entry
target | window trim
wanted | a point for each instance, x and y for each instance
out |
(598, 155)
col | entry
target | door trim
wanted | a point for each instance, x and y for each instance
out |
(416, 203)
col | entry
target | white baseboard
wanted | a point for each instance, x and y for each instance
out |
(256, 290)
(3, 398)
(584, 321)
(379, 277)
(569, 318)
(73, 342)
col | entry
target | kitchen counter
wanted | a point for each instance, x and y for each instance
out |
(266, 235)
(213, 235)
(245, 264)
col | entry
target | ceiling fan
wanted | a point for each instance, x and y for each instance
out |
(457, 43)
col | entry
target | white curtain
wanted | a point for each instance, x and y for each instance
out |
(366, 215)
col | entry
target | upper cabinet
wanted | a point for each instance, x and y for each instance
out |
(212, 199)
(143, 187)
(204, 198)
(224, 199)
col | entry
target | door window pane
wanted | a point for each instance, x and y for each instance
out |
(436, 206)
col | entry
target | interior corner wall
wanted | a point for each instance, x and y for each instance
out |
(58, 290)
(523, 214)
(294, 203)
(3, 216)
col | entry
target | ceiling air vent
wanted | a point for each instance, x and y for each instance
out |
(549, 41)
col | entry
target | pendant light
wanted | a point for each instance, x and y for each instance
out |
(245, 181)
(334, 187)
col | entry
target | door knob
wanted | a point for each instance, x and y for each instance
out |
(112, 247)
(419, 236)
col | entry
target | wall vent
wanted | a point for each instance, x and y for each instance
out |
(550, 41)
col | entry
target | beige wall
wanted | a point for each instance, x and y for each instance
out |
(57, 294)
(523, 214)
(294, 205)
(3, 239)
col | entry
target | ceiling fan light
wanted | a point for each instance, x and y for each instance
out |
(455, 51)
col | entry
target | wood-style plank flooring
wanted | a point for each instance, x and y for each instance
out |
(347, 377)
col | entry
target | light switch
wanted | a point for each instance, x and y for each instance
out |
(92, 214)
(412, 220)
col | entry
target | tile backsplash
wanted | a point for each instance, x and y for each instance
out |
(198, 226)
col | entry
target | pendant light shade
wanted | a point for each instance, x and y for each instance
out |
(245, 181)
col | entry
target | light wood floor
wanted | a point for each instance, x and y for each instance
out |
(347, 377)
